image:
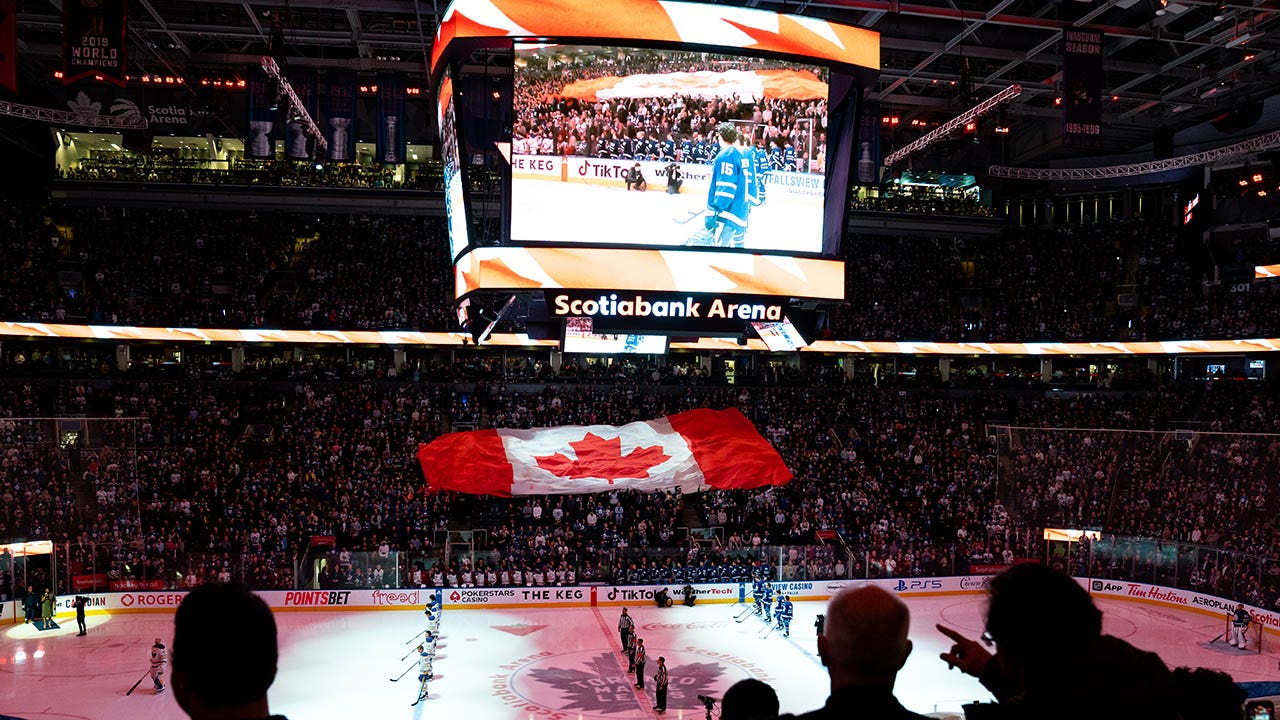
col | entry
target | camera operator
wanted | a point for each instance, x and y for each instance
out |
(79, 605)
(673, 178)
(689, 596)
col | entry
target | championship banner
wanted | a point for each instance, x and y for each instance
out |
(1082, 80)
(260, 142)
(693, 450)
(340, 115)
(9, 45)
(93, 40)
(306, 83)
(867, 166)
(391, 131)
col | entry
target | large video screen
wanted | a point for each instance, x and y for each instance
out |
(454, 202)
(667, 148)
(580, 338)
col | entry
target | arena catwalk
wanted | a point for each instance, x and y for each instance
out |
(553, 663)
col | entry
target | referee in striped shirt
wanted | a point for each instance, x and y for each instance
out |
(660, 685)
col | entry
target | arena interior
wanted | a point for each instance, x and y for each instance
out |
(315, 298)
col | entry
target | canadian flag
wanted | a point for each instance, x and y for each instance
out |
(690, 450)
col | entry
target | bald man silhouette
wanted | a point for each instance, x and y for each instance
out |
(863, 646)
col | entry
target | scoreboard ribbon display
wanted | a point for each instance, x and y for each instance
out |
(537, 268)
(658, 21)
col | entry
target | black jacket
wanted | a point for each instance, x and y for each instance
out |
(872, 703)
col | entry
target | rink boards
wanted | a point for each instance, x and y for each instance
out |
(635, 595)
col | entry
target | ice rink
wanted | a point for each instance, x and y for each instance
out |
(578, 213)
(553, 663)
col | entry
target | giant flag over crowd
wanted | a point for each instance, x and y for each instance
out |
(692, 450)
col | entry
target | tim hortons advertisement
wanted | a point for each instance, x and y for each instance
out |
(1199, 602)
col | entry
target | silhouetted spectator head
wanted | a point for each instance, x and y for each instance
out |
(749, 699)
(865, 638)
(224, 652)
(1040, 619)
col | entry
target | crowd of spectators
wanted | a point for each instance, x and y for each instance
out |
(1123, 281)
(662, 127)
(191, 268)
(223, 479)
(922, 203)
(127, 167)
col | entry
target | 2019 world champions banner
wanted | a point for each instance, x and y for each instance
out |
(1082, 82)
(93, 40)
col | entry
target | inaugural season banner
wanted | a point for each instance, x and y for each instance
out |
(93, 40)
(691, 450)
(9, 45)
(391, 129)
(1082, 78)
(306, 83)
(260, 142)
(340, 115)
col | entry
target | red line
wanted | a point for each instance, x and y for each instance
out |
(616, 648)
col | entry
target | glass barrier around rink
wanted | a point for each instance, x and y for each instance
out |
(1225, 573)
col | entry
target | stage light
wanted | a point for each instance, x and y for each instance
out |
(1257, 177)
(1242, 182)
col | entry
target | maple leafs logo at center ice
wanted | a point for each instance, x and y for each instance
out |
(600, 687)
(597, 457)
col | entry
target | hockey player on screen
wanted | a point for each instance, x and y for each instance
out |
(726, 217)
(763, 170)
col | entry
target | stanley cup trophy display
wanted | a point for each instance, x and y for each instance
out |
(391, 154)
(338, 148)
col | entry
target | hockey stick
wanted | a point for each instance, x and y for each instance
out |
(689, 216)
(406, 655)
(135, 685)
(406, 672)
(768, 631)
(415, 637)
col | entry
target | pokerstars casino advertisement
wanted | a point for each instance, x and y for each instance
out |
(667, 148)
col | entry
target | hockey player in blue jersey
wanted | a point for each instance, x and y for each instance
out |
(746, 158)
(785, 613)
(727, 206)
(757, 595)
(768, 603)
(763, 170)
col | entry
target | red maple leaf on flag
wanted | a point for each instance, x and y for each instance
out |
(601, 458)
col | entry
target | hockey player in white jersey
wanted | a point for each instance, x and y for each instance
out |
(158, 659)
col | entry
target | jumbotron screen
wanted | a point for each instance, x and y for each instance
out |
(667, 148)
(454, 203)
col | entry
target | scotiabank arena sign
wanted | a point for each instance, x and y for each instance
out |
(614, 311)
